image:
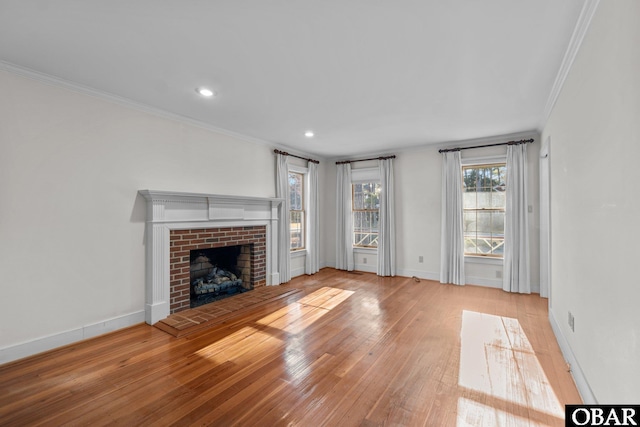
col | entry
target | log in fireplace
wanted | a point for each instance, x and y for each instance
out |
(219, 273)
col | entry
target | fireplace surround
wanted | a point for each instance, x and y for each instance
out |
(184, 243)
(198, 221)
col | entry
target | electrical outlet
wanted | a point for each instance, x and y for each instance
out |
(572, 322)
(420, 258)
(364, 260)
(498, 274)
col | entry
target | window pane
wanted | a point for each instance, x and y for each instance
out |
(469, 222)
(295, 190)
(358, 196)
(497, 224)
(484, 232)
(498, 246)
(498, 199)
(469, 179)
(366, 202)
(296, 198)
(484, 202)
(365, 228)
(366, 195)
(297, 229)
(469, 199)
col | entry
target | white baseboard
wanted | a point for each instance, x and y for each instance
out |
(18, 351)
(483, 281)
(297, 272)
(576, 372)
(367, 268)
(478, 281)
(274, 279)
(429, 275)
(419, 274)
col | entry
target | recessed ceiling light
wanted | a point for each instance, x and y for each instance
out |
(309, 134)
(204, 91)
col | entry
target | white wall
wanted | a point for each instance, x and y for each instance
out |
(71, 222)
(595, 147)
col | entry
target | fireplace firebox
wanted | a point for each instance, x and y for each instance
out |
(218, 273)
(239, 251)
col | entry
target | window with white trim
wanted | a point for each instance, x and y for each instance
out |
(365, 210)
(484, 202)
(296, 210)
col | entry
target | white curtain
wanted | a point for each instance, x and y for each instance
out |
(344, 224)
(312, 264)
(284, 234)
(452, 238)
(386, 221)
(516, 227)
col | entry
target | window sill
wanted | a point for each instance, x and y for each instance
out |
(299, 253)
(483, 260)
(359, 250)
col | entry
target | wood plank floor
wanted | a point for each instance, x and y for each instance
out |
(192, 320)
(350, 349)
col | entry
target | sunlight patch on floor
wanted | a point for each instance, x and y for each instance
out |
(297, 316)
(237, 344)
(327, 298)
(497, 360)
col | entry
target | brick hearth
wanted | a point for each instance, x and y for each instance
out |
(183, 241)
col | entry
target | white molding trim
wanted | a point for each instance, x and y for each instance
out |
(295, 272)
(579, 32)
(296, 255)
(475, 281)
(576, 371)
(39, 345)
(168, 211)
(328, 264)
(483, 260)
(129, 103)
(419, 274)
(483, 281)
(367, 268)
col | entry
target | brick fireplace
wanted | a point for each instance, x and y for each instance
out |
(182, 242)
(180, 222)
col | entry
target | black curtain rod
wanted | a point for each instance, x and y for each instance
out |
(522, 141)
(284, 153)
(364, 160)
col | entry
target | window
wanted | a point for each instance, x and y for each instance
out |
(296, 211)
(484, 201)
(365, 206)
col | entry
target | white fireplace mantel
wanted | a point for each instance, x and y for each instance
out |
(168, 211)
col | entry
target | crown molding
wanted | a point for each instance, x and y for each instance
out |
(579, 32)
(126, 102)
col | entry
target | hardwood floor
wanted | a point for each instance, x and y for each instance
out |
(350, 349)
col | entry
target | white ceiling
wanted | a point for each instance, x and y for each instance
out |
(367, 76)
